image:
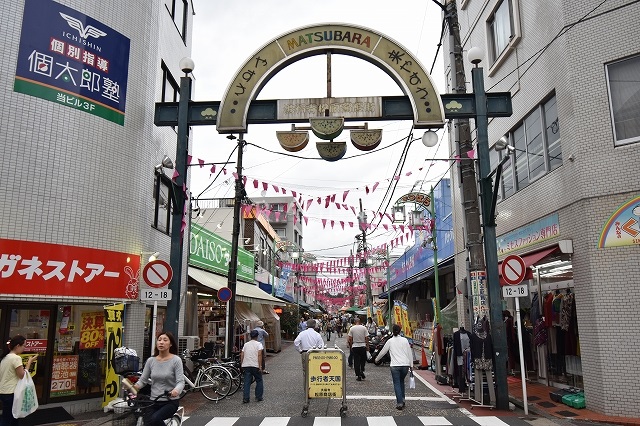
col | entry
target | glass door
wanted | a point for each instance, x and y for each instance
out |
(32, 322)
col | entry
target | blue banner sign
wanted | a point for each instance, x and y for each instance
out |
(73, 60)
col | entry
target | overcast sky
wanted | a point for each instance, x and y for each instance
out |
(227, 33)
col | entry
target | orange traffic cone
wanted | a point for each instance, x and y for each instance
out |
(423, 363)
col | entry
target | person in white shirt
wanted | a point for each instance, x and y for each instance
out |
(250, 361)
(358, 342)
(401, 362)
(308, 339)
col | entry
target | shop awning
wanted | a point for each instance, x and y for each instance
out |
(529, 260)
(245, 292)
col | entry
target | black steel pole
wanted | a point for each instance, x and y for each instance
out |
(233, 261)
(176, 255)
(490, 246)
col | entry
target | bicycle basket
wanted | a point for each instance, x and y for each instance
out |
(201, 354)
(126, 363)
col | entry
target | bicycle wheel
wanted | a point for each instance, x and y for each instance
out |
(215, 383)
(236, 379)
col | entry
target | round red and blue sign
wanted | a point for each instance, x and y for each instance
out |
(224, 294)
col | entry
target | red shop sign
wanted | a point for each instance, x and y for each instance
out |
(28, 267)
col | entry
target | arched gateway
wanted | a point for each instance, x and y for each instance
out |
(318, 39)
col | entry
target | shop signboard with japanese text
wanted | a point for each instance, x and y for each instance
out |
(34, 268)
(113, 318)
(73, 60)
(92, 330)
(64, 375)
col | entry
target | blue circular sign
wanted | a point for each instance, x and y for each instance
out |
(224, 294)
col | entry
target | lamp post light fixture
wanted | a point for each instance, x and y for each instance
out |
(176, 256)
(296, 287)
(475, 56)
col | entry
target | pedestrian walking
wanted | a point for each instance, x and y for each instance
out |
(11, 371)
(262, 335)
(250, 361)
(302, 325)
(359, 345)
(401, 362)
(308, 339)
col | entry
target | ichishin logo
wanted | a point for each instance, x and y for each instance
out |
(85, 32)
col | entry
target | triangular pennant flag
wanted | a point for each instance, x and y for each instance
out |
(294, 194)
(175, 174)
(284, 191)
(309, 201)
(333, 198)
(319, 200)
(353, 210)
(201, 162)
(265, 186)
(351, 224)
(342, 224)
(457, 158)
(408, 173)
(213, 169)
(324, 223)
(275, 188)
(386, 227)
(326, 202)
(471, 153)
(366, 188)
(244, 181)
(344, 196)
(375, 185)
(189, 159)
(306, 220)
(338, 206)
(277, 216)
(255, 183)
(224, 172)
(346, 207)
(332, 223)
(235, 175)
(396, 178)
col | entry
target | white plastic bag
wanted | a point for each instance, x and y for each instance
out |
(369, 356)
(25, 400)
(412, 381)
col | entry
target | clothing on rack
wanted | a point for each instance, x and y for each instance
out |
(482, 351)
(461, 342)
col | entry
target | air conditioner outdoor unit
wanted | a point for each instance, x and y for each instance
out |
(188, 342)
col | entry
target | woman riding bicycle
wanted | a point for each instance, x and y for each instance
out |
(164, 372)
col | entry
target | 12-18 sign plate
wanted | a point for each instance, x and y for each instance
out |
(515, 290)
(155, 294)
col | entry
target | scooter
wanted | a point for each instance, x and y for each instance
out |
(375, 349)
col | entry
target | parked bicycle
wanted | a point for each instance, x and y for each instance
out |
(212, 380)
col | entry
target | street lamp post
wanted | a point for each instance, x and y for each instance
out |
(296, 260)
(362, 219)
(490, 247)
(182, 147)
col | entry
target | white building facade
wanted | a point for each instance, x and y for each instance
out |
(78, 219)
(568, 197)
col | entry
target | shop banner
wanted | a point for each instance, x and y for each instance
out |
(92, 330)
(406, 326)
(536, 232)
(623, 227)
(73, 60)
(43, 269)
(211, 252)
(397, 312)
(379, 318)
(113, 315)
(64, 375)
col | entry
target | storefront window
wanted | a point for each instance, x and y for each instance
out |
(79, 351)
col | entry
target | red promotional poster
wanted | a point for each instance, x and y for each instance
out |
(28, 267)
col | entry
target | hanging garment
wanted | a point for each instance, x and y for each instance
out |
(565, 310)
(539, 332)
(548, 309)
(534, 314)
(482, 351)
(556, 309)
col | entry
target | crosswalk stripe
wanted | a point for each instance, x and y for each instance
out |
(327, 421)
(489, 421)
(223, 421)
(381, 421)
(275, 421)
(434, 421)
